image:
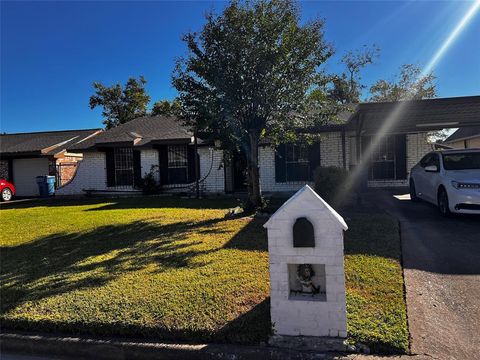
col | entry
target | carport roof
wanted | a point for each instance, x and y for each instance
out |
(43, 143)
(417, 115)
(410, 116)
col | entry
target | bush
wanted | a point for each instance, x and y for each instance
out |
(149, 184)
(329, 181)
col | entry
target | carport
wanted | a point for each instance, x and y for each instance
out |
(382, 141)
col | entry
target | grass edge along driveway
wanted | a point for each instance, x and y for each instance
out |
(176, 269)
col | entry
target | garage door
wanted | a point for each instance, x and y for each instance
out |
(24, 173)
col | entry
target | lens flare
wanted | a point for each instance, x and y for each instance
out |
(355, 175)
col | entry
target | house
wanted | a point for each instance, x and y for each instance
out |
(24, 156)
(387, 139)
(464, 138)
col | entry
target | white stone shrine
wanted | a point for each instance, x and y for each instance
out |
(307, 282)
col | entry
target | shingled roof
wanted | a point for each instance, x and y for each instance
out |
(464, 133)
(417, 115)
(143, 131)
(43, 143)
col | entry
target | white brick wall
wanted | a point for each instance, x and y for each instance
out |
(417, 147)
(331, 149)
(90, 174)
(266, 162)
(211, 164)
(307, 317)
(330, 155)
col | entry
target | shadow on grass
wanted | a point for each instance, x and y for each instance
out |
(252, 236)
(63, 262)
(251, 327)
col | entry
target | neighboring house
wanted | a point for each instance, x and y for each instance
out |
(24, 156)
(464, 138)
(117, 159)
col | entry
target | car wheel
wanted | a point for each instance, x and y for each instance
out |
(413, 192)
(443, 206)
(6, 194)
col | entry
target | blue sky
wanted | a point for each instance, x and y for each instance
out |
(51, 52)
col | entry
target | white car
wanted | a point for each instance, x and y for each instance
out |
(449, 179)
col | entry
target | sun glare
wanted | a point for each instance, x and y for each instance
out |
(392, 118)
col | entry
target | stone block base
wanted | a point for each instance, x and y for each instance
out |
(311, 343)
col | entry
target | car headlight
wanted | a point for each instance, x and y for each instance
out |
(462, 185)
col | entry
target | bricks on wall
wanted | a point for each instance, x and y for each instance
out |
(212, 170)
(417, 147)
(90, 175)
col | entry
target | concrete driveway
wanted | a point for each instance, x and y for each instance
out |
(441, 259)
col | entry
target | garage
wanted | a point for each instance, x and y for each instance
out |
(24, 173)
(24, 156)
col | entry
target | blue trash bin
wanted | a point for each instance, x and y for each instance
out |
(50, 185)
(46, 185)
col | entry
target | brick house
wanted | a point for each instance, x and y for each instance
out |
(117, 159)
(24, 156)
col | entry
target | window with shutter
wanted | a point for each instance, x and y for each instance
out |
(177, 164)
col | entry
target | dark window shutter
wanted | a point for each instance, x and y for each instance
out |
(314, 158)
(191, 163)
(110, 162)
(401, 156)
(280, 173)
(163, 164)
(137, 169)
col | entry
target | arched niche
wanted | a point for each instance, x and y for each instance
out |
(303, 233)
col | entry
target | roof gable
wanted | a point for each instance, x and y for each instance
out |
(142, 131)
(317, 205)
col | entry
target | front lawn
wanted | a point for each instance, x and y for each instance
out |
(175, 269)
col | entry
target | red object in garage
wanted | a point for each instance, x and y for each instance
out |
(7, 190)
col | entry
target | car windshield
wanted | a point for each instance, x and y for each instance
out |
(461, 161)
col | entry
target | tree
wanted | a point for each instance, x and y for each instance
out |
(247, 72)
(121, 104)
(409, 84)
(166, 107)
(346, 88)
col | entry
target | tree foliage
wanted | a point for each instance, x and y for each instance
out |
(166, 107)
(247, 72)
(346, 88)
(121, 103)
(409, 84)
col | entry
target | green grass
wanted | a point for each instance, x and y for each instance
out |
(175, 269)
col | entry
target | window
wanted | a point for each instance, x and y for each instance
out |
(297, 163)
(177, 164)
(123, 158)
(382, 161)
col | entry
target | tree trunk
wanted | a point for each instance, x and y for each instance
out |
(254, 196)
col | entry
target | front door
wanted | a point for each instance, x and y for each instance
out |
(235, 172)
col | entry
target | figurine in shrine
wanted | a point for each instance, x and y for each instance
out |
(305, 274)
